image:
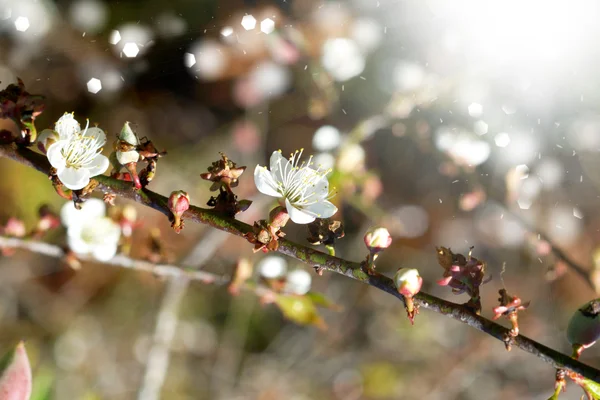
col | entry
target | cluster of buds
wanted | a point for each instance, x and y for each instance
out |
(265, 234)
(179, 202)
(509, 307)
(408, 282)
(15, 227)
(325, 231)
(225, 174)
(376, 240)
(22, 107)
(129, 150)
(463, 275)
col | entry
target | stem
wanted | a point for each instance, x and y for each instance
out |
(316, 258)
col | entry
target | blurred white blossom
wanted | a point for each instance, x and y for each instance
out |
(272, 267)
(342, 58)
(89, 231)
(298, 282)
(91, 209)
(463, 147)
(98, 237)
(210, 57)
(326, 138)
(88, 15)
(367, 34)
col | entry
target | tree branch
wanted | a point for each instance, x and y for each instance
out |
(314, 257)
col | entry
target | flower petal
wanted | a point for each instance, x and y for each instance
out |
(67, 126)
(297, 215)
(75, 242)
(264, 182)
(91, 209)
(98, 165)
(74, 179)
(320, 209)
(104, 252)
(318, 188)
(97, 133)
(280, 166)
(126, 157)
(55, 156)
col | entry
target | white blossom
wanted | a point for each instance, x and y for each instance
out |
(305, 190)
(76, 155)
(98, 237)
(89, 231)
(90, 209)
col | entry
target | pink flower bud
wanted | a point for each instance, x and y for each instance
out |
(278, 217)
(377, 239)
(15, 375)
(14, 227)
(408, 281)
(179, 202)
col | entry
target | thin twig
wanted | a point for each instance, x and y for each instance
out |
(314, 257)
(121, 261)
(158, 360)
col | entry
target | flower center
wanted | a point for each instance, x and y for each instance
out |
(301, 184)
(99, 231)
(81, 150)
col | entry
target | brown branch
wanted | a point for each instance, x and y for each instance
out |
(313, 257)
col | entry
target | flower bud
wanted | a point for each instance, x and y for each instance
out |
(584, 326)
(179, 202)
(14, 227)
(127, 135)
(125, 147)
(15, 374)
(377, 239)
(278, 217)
(408, 281)
(46, 139)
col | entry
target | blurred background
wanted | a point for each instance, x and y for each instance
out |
(456, 124)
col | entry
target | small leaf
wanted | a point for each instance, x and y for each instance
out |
(15, 375)
(300, 309)
(591, 387)
(43, 385)
(320, 300)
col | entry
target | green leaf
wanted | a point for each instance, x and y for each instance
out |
(592, 387)
(320, 300)
(43, 385)
(300, 309)
(15, 375)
